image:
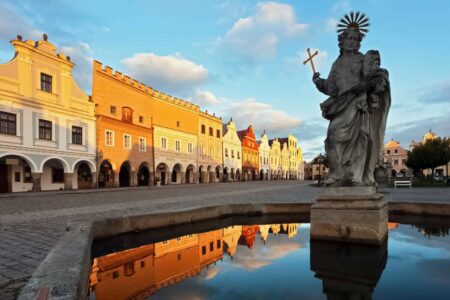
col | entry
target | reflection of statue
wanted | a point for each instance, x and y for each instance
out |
(357, 107)
(348, 271)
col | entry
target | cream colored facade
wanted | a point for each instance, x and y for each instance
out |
(231, 236)
(209, 154)
(300, 164)
(275, 159)
(285, 159)
(396, 156)
(175, 156)
(48, 142)
(293, 159)
(264, 157)
(232, 151)
(439, 171)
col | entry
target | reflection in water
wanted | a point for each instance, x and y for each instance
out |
(273, 261)
(140, 272)
(348, 271)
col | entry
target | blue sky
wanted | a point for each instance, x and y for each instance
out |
(242, 59)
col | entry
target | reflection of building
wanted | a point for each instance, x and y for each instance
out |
(209, 156)
(47, 123)
(231, 236)
(264, 231)
(264, 154)
(289, 229)
(248, 235)
(396, 156)
(438, 171)
(392, 226)
(210, 247)
(124, 129)
(275, 228)
(232, 150)
(250, 155)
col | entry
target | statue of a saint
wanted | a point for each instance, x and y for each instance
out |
(357, 108)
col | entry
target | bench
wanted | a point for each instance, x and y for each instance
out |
(402, 183)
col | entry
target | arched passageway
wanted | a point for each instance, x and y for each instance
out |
(218, 172)
(162, 174)
(238, 175)
(143, 175)
(176, 174)
(15, 174)
(225, 175)
(52, 175)
(211, 174)
(261, 174)
(125, 174)
(190, 177)
(84, 178)
(106, 175)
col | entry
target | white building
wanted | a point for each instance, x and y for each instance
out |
(264, 157)
(47, 123)
(232, 151)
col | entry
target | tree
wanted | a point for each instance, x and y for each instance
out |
(429, 155)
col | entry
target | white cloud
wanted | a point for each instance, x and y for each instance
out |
(330, 24)
(262, 116)
(258, 36)
(204, 98)
(341, 7)
(171, 73)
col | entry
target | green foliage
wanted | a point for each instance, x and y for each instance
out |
(429, 155)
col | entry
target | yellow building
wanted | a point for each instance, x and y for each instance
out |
(300, 164)
(275, 159)
(291, 142)
(209, 154)
(285, 160)
(47, 123)
(396, 156)
(231, 235)
(175, 125)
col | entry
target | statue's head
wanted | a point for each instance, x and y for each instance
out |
(350, 40)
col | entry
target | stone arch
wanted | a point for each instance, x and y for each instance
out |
(83, 177)
(226, 175)
(202, 175)
(143, 175)
(162, 173)
(16, 173)
(53, 177)
(177, 174)
(261, 174)
(218, 172)
(238, 175)
(62, 161)
(125, 174)
(190, 174)
(106, 174)
(210, 173)
(34, 168)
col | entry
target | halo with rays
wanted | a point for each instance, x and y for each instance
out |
(357, 20)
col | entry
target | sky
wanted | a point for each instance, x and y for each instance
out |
(243, 59)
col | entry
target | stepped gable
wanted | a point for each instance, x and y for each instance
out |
(117, 75)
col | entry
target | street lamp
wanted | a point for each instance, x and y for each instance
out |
(98, 160)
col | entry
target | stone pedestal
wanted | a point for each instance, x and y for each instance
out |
(352, 214)
(68, 177)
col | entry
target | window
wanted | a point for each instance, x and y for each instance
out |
(179, 256)
(190, 148)
(238, 155)
(141, 119)
(109, 138)
(112, 109)
(218, 244)
(218, 134)
(211, 152)
(178, 123)
(127, 115)
(232, 153)
(16, 176)
(45, 130)
(178, 239)
(177, 145)
(203, 250)
(403, 161)
(396, 162)
(127, 141)
(7, 123)
(226, 152)
(143, 264)
(115, 274)
(163, 143)
(203, 129)
(395, 150)
(211, 246)
(46, 83)
(388, 151)
(211, 131)
(77, 135)
(142, 144)
(128, 269)
(57, 175)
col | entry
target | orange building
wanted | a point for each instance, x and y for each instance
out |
(124, 128)
(250, 154)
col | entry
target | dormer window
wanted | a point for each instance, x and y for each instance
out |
(127, 115)
(46, 83)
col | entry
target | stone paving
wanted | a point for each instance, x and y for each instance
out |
(31, 224)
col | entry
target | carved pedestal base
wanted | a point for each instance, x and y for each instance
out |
(352, 214)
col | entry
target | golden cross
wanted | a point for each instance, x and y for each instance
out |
(310, 59)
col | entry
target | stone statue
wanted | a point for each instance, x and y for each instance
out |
(357, 107)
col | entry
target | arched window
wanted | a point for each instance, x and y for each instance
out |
(127, 114)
